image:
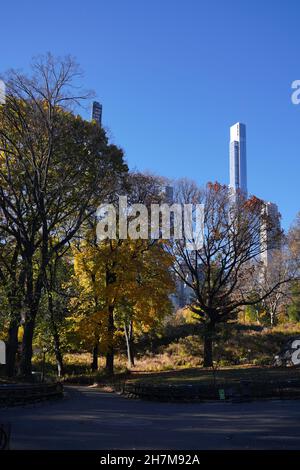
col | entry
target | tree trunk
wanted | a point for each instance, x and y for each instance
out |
(12, 348)
(25, 365)
(60, 363)
(56, 339)
(110, 339)
(94, 365)
(272, 319)
(58, 356)
(33, 296)
(129, 344)
(14, 297)
(208, 345)
(109, 366)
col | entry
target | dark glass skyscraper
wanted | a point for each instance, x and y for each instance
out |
(97, 112)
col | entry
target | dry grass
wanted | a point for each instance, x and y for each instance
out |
(234, 345)
(239, 345)
(226, 375)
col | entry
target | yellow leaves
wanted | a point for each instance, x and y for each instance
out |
(131, 276)
(20, 333)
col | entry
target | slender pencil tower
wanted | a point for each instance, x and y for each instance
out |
(238, 159)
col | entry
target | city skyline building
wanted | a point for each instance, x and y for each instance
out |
(238, 183)
(270, 227)
(97, 112)
(270, 234)
(238, 159)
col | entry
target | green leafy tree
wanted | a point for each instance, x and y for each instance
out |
(55, 169)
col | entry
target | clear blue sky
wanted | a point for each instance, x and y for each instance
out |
(173, 75)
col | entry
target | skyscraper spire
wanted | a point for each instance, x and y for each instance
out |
(238, 159)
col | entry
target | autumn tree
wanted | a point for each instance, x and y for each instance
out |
(294, 303)
(138, 297)
(124, 281)
(52, 322)
(294, 246)
(55, 168)
(12, 279)
(294, 251)
(274, 274)
(146, 298)
(219, 271)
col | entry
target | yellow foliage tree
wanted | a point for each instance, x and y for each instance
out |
(121, 284)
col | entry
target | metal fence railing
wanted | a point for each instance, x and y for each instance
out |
(15, 394)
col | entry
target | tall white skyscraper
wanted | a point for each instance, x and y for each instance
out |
(238, 159)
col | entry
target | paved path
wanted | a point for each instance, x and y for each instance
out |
(89, 419)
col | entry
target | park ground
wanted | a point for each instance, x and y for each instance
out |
(90, 419)
(241, 352)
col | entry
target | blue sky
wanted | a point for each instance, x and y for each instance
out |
(173, 75)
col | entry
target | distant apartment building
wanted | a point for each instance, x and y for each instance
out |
(183, 295)
(270, 233)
